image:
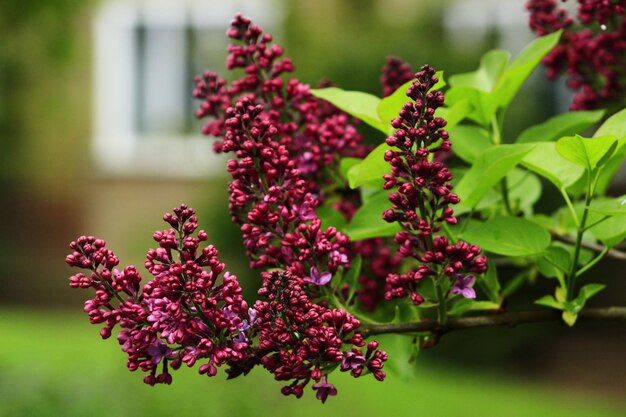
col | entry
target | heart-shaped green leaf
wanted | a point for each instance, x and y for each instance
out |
(511, 236)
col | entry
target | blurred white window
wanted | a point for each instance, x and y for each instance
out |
(145, 55)
(471, 21)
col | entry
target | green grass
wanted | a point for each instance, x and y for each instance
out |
(54, 364)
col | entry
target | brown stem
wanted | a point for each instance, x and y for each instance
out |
(612, 253)
(505, 319)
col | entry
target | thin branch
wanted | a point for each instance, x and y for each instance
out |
(612, 253)
(505, 319)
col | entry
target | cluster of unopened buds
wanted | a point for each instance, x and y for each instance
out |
(591, 52)
(287, 146)
(423, 196)
(186, 314)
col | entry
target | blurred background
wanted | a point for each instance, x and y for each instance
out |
(98, 137)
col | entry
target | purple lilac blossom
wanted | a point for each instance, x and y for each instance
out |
(463, 286)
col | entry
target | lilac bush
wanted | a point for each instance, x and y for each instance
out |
(354, 240)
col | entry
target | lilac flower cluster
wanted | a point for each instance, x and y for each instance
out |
(592, 54)
(315, 133)
(424, 195)
(395, 73)
(183, 315)
(273, 204)
(300, 341)
(286, 146)
(285, 143)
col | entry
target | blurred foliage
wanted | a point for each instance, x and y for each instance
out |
(347, 42)
(43, 85)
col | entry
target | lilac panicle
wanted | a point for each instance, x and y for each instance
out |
(286, 147)
(591, 54)
(300, 341)
(184, 314)
(423, 194)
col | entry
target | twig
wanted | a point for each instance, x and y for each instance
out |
(505, 319)
(612, 253)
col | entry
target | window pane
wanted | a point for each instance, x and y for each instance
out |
(162, 77)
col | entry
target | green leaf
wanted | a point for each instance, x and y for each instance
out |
(346, 164)
(549, 301)
(560, 293)
(330, 217)
(522, 66)
(524, 189)
(569, 318)
(469, 142)
(455, 114)
(547, 162)
(356, 103)
(610, 206)
(400, 346)
(524, 192)
(484, 78)
(490, 283)
(588, 153)
(555, 263)
(390, 106)
(588, 291)
(565, 124)
(368, 220)
(371, 170)
(543, 220)
(511, 236)
(559, 258)
(492, 86)
(352, 276)
(401, 350)
(489, 168)
(484, 105)
(610, 232)
(611, 167)
(613, 126)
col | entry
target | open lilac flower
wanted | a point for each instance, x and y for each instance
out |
(463, 286)
(241, 338)
(317, 278)
(158, 351)
(324, 389)
(353, 361)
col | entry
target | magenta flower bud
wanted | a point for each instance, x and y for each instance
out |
(392, 141)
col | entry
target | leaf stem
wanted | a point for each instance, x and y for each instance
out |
(442, 305)
(571, 278)
(568, 201)
(592, 262)
(597, 222)
(496, 138)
